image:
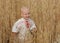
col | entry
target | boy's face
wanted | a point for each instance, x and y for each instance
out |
(25, 13)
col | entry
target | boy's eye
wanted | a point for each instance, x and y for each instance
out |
(28, 13)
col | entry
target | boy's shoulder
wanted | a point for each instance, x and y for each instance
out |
(31, 20)
(22, 19)
(19, 20)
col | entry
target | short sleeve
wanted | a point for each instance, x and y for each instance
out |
(15, 28)
(33, 25)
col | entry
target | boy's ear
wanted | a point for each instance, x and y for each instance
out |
(21, 13)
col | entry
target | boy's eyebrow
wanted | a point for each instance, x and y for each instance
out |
(29, 13)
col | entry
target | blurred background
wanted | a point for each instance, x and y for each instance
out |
(45, 13)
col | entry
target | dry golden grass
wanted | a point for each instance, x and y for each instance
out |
(45, 13)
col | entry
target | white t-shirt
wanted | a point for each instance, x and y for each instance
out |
(20, 26)
(21, 23)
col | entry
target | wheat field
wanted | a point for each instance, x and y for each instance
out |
(45, 13)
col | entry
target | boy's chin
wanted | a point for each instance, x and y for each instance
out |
(26, 18)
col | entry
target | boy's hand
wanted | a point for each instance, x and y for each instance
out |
(34, 31)
(14, 35)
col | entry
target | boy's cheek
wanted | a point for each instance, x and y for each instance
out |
(27, 16)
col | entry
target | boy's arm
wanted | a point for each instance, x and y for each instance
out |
(14, 30)
(34, 31)
(13, 35)
(33, 28)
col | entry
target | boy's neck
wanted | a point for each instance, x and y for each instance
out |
(26, 19)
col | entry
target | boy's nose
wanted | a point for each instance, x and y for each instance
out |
(28, 16)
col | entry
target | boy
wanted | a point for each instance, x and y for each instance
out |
(25, 27)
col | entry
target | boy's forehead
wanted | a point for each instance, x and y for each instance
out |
(24, 9)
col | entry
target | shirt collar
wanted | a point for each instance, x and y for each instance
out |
(24, 19)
